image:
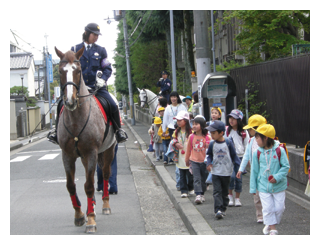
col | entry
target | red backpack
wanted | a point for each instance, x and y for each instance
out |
(278, 151)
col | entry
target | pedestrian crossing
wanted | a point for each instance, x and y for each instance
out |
(40, 157)
(20, 159)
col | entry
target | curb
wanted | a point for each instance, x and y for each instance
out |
(191, 217)
(17, 146)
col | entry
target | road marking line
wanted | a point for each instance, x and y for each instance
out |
(19, 159)
(24, 152)
(48, 156)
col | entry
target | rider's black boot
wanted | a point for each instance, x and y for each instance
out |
(121, 135)
(52, 135)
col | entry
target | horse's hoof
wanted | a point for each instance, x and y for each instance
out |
(106, 211)
(91, 229)
(79, 221)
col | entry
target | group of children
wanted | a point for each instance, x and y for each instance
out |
(223, 152)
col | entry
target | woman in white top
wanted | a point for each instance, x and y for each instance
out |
(174, 106)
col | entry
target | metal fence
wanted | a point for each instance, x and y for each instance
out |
(285, 85)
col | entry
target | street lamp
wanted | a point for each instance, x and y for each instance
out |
(22, 75)
(118, 15)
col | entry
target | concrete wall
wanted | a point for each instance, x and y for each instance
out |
(13, 120)
(297, 177)
(34, 117)
(142, 114)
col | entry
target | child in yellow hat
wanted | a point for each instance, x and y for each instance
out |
(156, 138)
(253, 123)
(215, 114)
(269, 176)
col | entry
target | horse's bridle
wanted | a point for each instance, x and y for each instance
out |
(150, 101)
(71, 83)
(76, 139)
(75, 85)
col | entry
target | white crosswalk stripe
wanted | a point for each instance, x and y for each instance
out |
(20, 159)
(48, 156)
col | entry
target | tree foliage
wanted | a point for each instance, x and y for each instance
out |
(151, 53)
(17, 90)
(269, 31)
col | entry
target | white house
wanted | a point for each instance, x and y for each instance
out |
(22, 70)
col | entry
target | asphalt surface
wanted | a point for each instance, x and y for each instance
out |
(239, 220)
(147, 202)
(40, 203)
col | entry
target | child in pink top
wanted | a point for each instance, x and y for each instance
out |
(198, 143)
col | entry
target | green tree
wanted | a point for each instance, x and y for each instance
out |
(269, 31)
(151, 53)
(148, 59)
(17, 90)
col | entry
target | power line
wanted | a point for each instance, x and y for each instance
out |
(141, 30)
(15, 35)
(139, 18)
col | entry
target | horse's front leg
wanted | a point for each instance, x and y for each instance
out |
(89, 163)
(69, 166)
(105, 160)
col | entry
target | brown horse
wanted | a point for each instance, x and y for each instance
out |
(81, 131)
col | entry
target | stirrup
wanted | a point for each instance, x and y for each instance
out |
(121, 136)
(52, 137)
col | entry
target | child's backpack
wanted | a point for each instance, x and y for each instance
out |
(243, 134)
(156, 137)
(278, 151)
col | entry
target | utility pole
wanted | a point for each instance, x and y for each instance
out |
(213, 50)
(125, 31)
(173, 54)
(202, 50)
(45, 89)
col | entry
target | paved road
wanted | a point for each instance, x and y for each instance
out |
(239, 220)
(40, 202)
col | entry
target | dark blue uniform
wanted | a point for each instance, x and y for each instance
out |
(165, 86)
(91, 61)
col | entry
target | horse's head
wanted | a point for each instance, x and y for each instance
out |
(143, 97)
(70, 76)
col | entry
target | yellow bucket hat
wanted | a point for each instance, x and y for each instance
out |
(267, 130)
(255, 120)
(161, 109)
(157, 120)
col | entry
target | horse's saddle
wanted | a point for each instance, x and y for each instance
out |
(104, 107)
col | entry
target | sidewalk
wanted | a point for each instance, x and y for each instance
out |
(15, 144)
(199, 219)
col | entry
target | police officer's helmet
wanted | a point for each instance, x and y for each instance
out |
(93, 27)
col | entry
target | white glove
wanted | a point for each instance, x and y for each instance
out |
(160, 79)
(100, 82)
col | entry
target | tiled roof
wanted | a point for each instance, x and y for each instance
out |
(20, 60)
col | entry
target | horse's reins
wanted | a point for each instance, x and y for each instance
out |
(150, 101)
(76, 138)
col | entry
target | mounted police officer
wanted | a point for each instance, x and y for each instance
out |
(165, 84)
(94, 59)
